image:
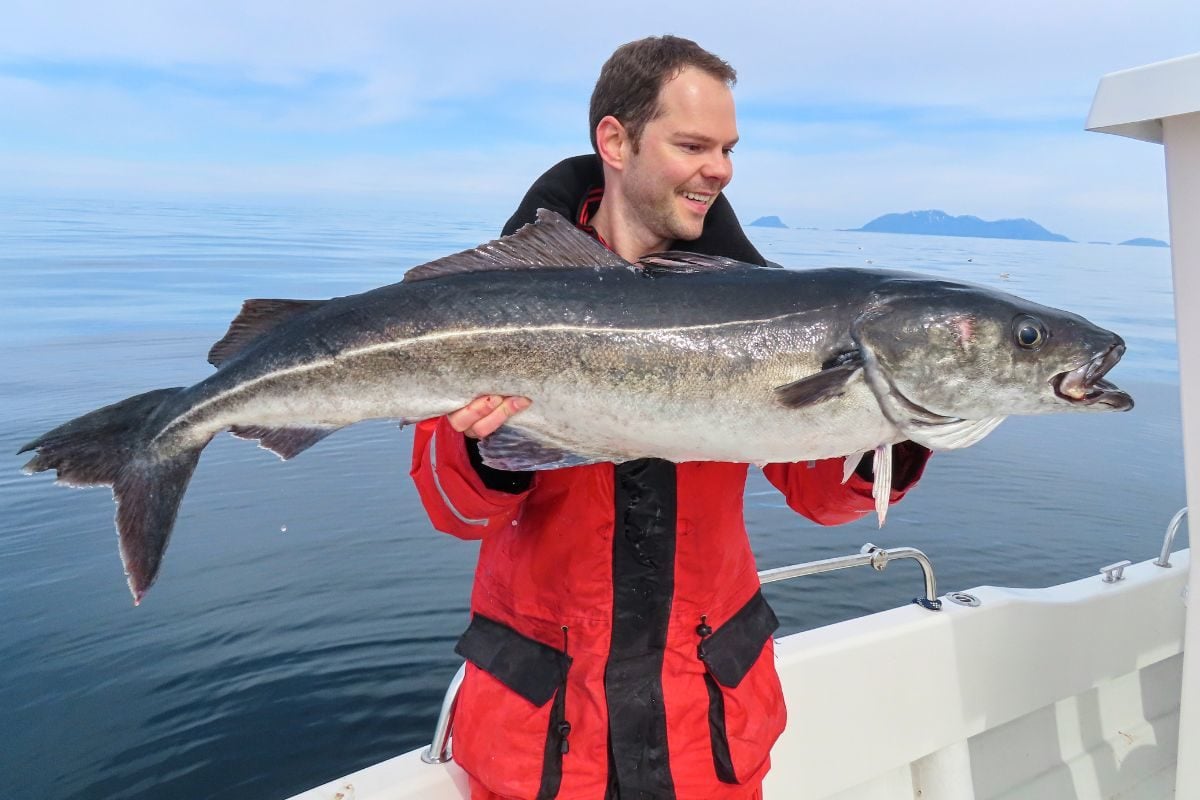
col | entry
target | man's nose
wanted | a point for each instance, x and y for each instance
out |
(718, 166)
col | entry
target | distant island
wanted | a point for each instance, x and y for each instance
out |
(768, 222)
(939, 223)
(1144, 241)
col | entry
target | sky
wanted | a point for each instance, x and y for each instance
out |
(846, 110)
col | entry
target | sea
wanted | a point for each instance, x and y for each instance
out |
(304, 621)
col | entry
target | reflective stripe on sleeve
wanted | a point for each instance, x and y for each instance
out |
(433, 446)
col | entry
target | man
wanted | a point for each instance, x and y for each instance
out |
(619, 646)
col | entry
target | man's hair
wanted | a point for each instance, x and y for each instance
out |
(633, 76)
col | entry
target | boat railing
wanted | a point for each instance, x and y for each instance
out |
(870, 555)
(439, 750)
(1164, 558)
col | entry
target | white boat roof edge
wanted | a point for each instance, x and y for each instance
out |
(1161, 103)
(1133, 102)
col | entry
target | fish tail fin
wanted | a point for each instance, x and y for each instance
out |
(112, 446)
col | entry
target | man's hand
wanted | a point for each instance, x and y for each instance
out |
(485, 414)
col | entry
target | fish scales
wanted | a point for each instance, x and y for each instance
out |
(544, 333)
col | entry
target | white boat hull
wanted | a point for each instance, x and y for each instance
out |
(1036, 694)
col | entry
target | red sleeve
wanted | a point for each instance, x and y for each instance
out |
(815, 488)
(452, 492)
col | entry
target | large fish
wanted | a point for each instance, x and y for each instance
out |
(682, 357)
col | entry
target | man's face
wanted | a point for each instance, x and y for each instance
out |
(683, 160)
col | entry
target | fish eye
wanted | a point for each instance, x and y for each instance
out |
(1030, 333)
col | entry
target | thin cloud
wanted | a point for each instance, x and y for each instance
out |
(845, 108)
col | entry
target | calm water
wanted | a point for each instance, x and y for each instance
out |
(304, 620)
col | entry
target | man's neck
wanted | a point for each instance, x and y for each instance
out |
(625, 235)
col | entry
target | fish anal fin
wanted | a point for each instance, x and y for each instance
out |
(551, 241)
(824, 385)
(283, 442)
(256, 318)
(513, 450)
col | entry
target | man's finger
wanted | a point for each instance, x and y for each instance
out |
(498, 417)
(463, 419)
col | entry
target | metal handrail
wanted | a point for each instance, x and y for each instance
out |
(438, 751)
(1164, 558)
(876, 557)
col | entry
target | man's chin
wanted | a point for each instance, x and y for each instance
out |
(688, 230)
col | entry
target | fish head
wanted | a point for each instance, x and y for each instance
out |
(939, 352)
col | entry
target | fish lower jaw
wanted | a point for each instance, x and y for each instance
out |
(1101, 392)
(1085, 385)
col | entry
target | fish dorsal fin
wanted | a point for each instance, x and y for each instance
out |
(549, 242)
(679, 261)
(256, 318)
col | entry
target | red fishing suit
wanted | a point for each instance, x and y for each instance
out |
(619, 646)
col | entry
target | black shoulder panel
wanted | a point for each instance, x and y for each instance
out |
(560, 188)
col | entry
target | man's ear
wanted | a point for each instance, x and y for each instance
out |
(612, 142)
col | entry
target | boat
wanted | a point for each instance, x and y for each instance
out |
(1084, 690)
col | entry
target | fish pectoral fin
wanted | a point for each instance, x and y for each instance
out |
(511, 449)
(256, 318)
(549, 242)
(824, 385)
(283, 442)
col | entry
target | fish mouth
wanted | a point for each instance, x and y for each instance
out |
(1085, 385)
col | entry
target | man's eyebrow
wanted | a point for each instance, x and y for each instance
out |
(702, 138)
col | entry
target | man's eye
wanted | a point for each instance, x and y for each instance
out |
(691, 148)
(728, 151)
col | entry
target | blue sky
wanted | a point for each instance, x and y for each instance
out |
(846, 110)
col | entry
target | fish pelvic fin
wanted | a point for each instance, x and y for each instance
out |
(283, 442)
(256, 318)
(551, 241)
(824, 385)
(111, 447)
(881, 489)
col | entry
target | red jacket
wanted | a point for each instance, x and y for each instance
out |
(547, 562)
(619, 640)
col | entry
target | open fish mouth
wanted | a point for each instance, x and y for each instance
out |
(1085, 385)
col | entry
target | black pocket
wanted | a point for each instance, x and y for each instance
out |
(531, 669)
(728, 654)
(534, 671)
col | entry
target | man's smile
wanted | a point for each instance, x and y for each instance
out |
(699, 200)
